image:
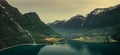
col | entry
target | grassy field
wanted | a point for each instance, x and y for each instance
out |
(54, 40)
(97, 39)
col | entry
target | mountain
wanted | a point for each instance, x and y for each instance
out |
(74, 22)
(17, 28)
(108, 20)
(64, 28)
(108, 17)
(99, 21)
(34, 24)
(57, 24)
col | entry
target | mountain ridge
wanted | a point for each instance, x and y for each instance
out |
(17, 28)
(100, 20)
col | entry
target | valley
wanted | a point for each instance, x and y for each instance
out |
(98, 33)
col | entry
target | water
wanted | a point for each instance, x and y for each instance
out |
(69, 48)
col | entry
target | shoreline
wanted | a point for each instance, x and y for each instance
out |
(19, 45)
(52, 43)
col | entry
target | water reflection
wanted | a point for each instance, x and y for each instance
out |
(97, 48)
(64, 49)
(79, 48)
(57, 49)
(69, 48)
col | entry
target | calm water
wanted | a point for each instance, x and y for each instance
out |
(70, 48)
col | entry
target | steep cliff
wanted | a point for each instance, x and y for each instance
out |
(11, 33)
(108, 20)
(107, 17)
(36, 25)
(16, 28)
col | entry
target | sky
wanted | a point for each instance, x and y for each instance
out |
(51, 10)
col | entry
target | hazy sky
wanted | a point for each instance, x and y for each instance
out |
(50, 10)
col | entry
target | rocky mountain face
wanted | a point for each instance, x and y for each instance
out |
(100, 20)
(17, 28)
(73, 22)
(108, 17)
(34, 24)
(108, 20)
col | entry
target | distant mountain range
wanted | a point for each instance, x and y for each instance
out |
(73, 23)
(17, 28)
(100, 20)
